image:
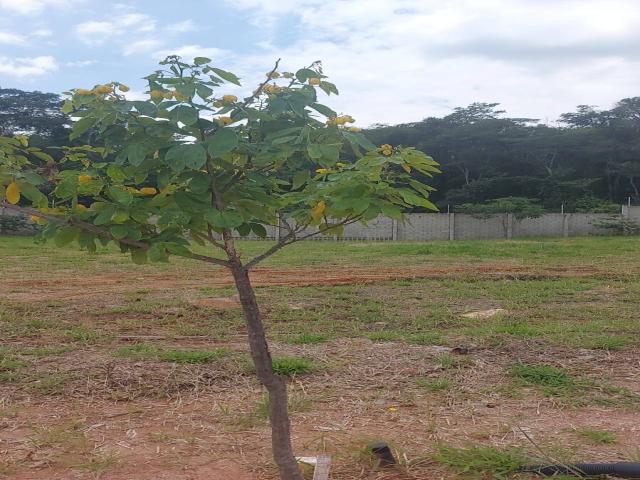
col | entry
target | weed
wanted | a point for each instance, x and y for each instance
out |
(309, 338)
(479, 461)
(424, 338)
(596, 435)
(193, 356)
(291, 365)
(434, 385)
(383, 336)
(138, 351)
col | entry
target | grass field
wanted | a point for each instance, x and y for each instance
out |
(469, 357)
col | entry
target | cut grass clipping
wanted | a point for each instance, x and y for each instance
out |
(479, 461)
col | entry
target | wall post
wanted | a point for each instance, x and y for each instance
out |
(452, 225)
(394, 229)
(565, 224)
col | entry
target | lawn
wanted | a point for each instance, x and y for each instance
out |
(466, 356)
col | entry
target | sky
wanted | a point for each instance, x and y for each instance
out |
(394, 61)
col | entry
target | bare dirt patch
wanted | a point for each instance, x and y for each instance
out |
(89, 286)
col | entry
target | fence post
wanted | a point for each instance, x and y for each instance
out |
(452, 225)
(278, 225)
(509, 226)
(394, 229)
(565, 224)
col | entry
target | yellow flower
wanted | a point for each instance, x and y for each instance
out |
(392, 409)
(229, 98)
(348, 118)
(83, 91)
(225, 120)
(123, 88)
(406, 167)
(322, 171)
(314, 81)
(168, 95)
(340, 165)
(318, 210)
(272, 74)
(37, 219)
(84, 178)
(148, 191)
(12, 193)
(156, 94)
(340, 120)
(355, 129)
(80, 208)
(179, 96)
(103, 89)
(386, 146)
(271, 88)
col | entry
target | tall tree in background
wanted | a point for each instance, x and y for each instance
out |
(36, 114)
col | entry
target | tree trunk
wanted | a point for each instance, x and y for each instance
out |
(275, 384)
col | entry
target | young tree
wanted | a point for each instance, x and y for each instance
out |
(189, 166)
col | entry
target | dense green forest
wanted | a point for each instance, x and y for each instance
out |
(589, 162)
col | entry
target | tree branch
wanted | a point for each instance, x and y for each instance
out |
(291, 238)
(89, 227)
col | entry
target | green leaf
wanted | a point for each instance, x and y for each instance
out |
(139, 256)
(201, 60)
(104, 216)
(203, 91)
(120, 196)
(228, 76)
(412, 199)
(136, 153)
(116, 173)
(65, 236)
(67, 188)
(360, 140)
(82, 126)
(157, 253)
(184, 114)
(223, 220)
(244, 229)
(120, 216)
(190, 155)
(324, 110)
(304, 74)
(299, 179)
(221, 142)
(119, 231)
(258, 229)
(67, 106)
(328, 88)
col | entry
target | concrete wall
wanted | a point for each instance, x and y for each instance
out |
(551, 224)
(443, 226)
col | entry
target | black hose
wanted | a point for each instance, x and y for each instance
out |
(620, 469)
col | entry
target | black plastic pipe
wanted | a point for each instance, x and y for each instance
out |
(620, 469)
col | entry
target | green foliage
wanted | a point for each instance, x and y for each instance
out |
(597, 436)
(291, 365)
(521, 207)
(434, 385)
(309, 338)
(143, 351)
(480, 461)
(189, 161)
(543, 375)
(619, 225)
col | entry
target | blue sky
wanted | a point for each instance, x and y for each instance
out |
(393, 60)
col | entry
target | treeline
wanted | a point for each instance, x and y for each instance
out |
(590, 162)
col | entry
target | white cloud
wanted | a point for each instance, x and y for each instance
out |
(95, 32)
(42, 32)
(28, 66)
(141, 46)
(30, 7)
(80, 63)
(181, 27)
(188, 52)
(9, 38)
(402, 60)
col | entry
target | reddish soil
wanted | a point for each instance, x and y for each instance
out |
(64, 288)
